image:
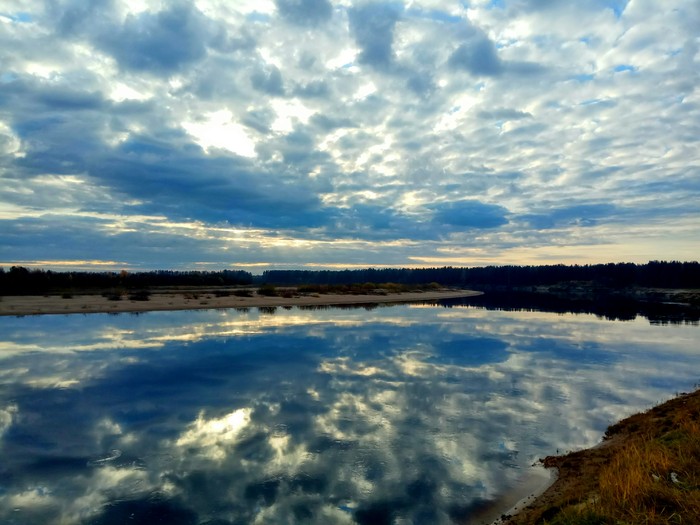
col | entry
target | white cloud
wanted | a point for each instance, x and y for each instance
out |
(7, 415)
(219, 131)
(213, 437)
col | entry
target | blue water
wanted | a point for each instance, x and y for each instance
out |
(401, 414)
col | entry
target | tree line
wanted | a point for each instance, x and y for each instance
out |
(661, 274)
(657, 274)
(22, 281)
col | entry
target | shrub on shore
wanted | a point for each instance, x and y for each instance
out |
(113, 295)
(268, 290)
(141, 295)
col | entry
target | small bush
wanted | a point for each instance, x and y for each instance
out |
(267, 290)
(142, 295)
(309, 288)
(113, 295)
(243, 293)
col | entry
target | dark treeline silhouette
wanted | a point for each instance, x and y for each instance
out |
(657, 274)
(22, 281)
(610, 306)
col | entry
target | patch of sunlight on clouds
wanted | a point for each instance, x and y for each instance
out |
(516, 30)
(215, 9)
(288, 113)
(7, 417)
(461, 106)
(367, 195)
(53, 383)
(343, 60)
(72, 264)
(135, 7)
(413, 199)
(329, 142)
(121, 92)
(218, 130)
(33, 497)
(383, 151)
(10, 143)
(108, 482)
(41, 70)
(365, 90)
(212, 436)
(249, 6)
(117, 138)
(345, 369)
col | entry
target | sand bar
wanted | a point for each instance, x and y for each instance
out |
(84, 304)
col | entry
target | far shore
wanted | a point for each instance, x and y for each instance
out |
(21, 305)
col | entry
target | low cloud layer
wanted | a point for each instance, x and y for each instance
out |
(283, 133)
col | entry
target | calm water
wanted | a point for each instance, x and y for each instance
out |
(402, 414)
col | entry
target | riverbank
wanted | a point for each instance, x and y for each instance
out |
(194, 299)
(646, 470)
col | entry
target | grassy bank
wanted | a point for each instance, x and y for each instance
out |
(646, 471)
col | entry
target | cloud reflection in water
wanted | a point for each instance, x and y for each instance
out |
(401, 414)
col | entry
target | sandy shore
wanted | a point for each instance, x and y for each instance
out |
(84, 304)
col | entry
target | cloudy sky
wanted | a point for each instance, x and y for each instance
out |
(322, 133)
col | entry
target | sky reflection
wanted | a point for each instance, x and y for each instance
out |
(391, 415)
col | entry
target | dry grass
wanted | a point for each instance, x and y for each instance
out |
(655, 478)
(647, 472)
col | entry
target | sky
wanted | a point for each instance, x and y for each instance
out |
(262, 134)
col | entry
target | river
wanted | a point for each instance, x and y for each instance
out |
(394, 414)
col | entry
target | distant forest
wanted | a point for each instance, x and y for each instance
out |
(655, 274)
(21, 281)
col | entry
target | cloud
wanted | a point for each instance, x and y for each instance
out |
(314, 89)
(579, 215)
(504, 114)
(479, 57)
(305, 12)
(268, 80)
(469, 214)
(372, 26)
(161, 42)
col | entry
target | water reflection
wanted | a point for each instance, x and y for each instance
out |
(608, 306)
(404, 414)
